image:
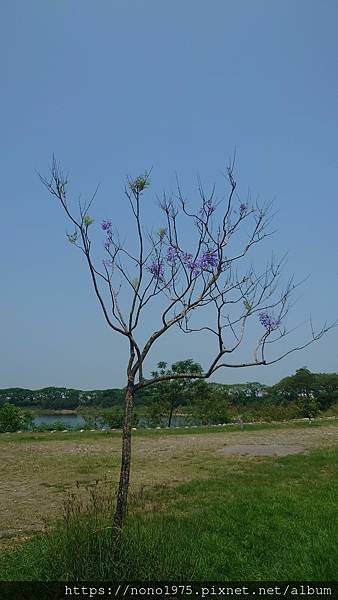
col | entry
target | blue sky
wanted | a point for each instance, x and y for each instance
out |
(115, 87)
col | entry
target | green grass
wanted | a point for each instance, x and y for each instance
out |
(272, 519)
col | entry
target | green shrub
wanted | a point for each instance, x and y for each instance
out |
(309, 407)
(211, 410)
(13, 418)
(156, 413)
(54, 426)
(92, 421)
(114, 418)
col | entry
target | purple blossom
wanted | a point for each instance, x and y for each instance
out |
(186, 257)
(106, 225)
(156, 268)
(172, 254)
(194, 267)
(268, 321)
(208, 259)
(107, 263)
(243, 207)
(207, 209)
(108, 241)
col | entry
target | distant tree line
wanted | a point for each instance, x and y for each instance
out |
(322, 387)
(60, 398)
(303, 394)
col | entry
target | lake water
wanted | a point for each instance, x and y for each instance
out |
(68, 420)
(75, 420)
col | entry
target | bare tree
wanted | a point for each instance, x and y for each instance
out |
(180, 284)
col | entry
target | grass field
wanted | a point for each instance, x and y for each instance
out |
(215, 504)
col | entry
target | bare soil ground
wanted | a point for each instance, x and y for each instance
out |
(34, 476)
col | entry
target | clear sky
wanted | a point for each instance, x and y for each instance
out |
(115, 87)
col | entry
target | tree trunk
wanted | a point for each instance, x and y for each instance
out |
(171, 414)
(122, 494)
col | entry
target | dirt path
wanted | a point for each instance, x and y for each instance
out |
(35, 475)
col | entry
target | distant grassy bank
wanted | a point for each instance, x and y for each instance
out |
(269, 519)
(28, 436)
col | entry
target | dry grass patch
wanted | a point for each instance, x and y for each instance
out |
(34, 475)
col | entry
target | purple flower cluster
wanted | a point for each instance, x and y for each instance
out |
(193, 266)
(156, 268)
(268, 321)
(243, 207)
(186, 257)
(207, 209)
(172, 255)
(106, 226)
(107, 263)
(204, 262)
(208, 259)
